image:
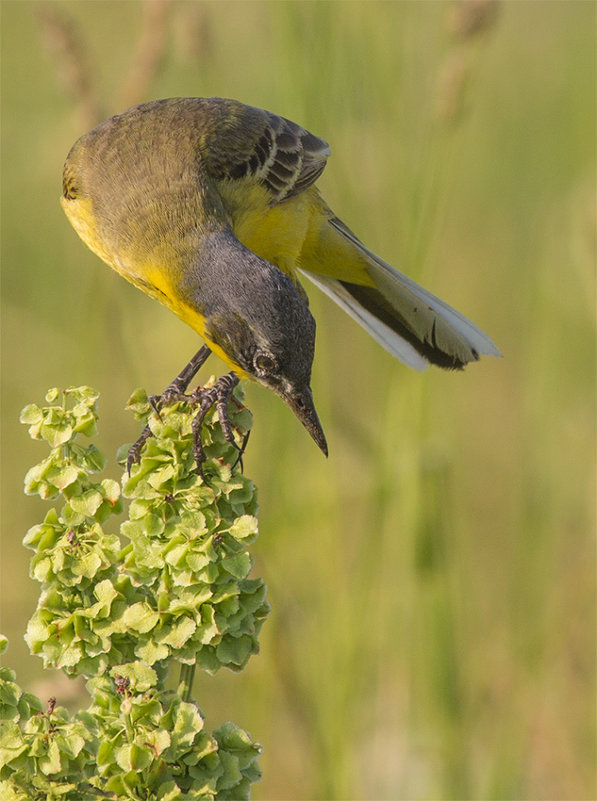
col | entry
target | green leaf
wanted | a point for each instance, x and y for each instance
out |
(88, 503)
(94, 460)
(243, 527)
(180, 632)
(185, 723)
(83, 393)
(65, 476)
(111, 490)
(85, 419)
(31, 414)
(141, 617)
(152, 652)
(89, 564)
(159, 740)
(235, 650)
(122, 453)
(140, 758)
(140, 675)
(34, 482)
(238, 565)
(138, 402)
(53, 394)
(71, 518)
(105, 753)
(233, 738)
(50, 762)
(123, 757)
(105, 592)
(231, 775)
(70, 743)
(56, 434)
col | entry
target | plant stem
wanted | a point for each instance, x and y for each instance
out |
(185, 686)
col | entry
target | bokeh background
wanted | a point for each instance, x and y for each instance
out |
(432, 633)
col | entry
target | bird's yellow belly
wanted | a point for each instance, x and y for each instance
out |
(149, 275)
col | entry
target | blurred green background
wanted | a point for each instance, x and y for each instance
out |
(432, 633)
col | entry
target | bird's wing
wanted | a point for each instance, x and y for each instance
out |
(278, 153)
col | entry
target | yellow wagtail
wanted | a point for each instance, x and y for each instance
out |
(210, 206)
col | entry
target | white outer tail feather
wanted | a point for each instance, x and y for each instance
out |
(464, 336)
(388, 339)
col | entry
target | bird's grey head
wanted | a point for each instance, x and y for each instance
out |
(255, 313)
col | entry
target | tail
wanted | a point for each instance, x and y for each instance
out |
(408, 321)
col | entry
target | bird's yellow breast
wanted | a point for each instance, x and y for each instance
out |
(148, 275)
(82, 218)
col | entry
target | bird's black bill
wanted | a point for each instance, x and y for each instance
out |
(304, 408)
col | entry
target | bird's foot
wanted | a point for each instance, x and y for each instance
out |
(174, 391)
(156, 402)
(217, 395)
(134, 455)
(204, 398)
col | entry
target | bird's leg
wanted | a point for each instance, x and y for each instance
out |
(174, 391)
(135, 449)
(217, 395)
(176, 388)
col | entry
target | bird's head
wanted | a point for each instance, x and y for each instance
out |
(276, 368)
(263, 325)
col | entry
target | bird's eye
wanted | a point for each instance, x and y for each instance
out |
(264, 362)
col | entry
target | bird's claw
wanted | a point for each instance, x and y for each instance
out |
(218, 394)
(205, 398)
(135, 450)
(156, 402)
(171, 394)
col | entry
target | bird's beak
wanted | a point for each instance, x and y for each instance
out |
(304, 408)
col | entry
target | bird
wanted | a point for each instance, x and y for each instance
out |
(211, 207)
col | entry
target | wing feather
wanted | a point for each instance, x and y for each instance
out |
(283, 156)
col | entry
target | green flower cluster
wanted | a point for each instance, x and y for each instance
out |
(179, 587)
(136, 741)
(120, 614)
(188, 541)
(75, 560)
